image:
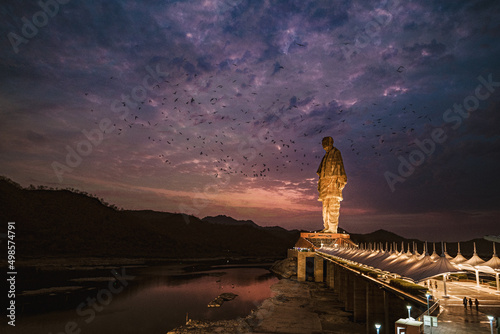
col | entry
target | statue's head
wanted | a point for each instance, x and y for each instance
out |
(327, 143)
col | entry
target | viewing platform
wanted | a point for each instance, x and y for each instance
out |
(316, 240)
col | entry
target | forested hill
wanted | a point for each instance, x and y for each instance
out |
(71, 224)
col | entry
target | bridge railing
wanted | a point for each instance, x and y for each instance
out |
(432, 309)
(380, 283)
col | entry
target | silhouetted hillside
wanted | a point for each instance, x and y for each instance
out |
(65, 223)
(225, 220)
(277, 231)
(379, 236)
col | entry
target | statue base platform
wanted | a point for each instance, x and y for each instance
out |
(324, 235)
(316, 240)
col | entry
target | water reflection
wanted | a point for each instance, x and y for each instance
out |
(158, 301)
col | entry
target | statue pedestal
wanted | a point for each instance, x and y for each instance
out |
(324, 235)
(316, 240)
(310, 266)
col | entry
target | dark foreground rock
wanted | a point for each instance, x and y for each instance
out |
(285, 268)
(296, 307)
(201, 327)
(224, 297)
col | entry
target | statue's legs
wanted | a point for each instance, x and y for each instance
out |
(331, 207)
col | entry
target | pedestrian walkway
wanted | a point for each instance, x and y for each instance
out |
(457, 319)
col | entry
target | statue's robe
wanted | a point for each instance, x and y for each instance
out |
(332, 179)
(332, 176)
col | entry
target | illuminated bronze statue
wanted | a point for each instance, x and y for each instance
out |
(332, 179)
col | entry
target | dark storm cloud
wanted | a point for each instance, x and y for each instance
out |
(247, 77)
(431, 49)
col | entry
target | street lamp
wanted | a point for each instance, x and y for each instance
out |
(377, 326)
(409, 309)
(428, 295)
(490, 318)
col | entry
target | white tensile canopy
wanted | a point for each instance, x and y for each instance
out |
(434, 255)
(439, 267)
(459, 258)
(475, 260)
(448, 256)
(494, 262)
(492, 266)
(414, 266)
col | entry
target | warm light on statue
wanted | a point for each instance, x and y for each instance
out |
(332, 180)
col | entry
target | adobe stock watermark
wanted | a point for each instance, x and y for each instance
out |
(91, 306)
(427, 146)
(40, 19)
(95, 136)
(371, 30)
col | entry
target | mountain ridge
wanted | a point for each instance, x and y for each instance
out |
(52, 222)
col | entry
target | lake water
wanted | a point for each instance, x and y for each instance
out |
(156, 301)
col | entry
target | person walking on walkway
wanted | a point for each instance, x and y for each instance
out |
(470, 303)
(465, 302)
(476, 302)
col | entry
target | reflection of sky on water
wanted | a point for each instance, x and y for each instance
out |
(159, 303)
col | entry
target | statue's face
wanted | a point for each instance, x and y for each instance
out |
(327, 143)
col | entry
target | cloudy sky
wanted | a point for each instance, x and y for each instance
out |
(219, 107)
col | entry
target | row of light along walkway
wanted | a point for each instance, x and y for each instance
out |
(454, 317)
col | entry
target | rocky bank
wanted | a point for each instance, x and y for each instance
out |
(296, 307)
(285, 268)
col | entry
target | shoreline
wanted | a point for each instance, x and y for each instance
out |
(88, 261)
(54, 282)
(295, 307)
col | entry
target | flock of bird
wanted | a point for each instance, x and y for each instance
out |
(222, 121)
